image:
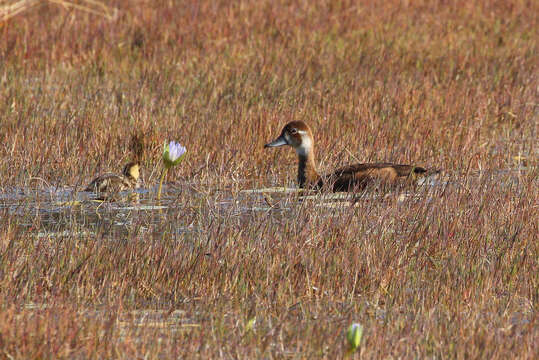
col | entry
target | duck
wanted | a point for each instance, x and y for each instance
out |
(107, 186)
(299, 136)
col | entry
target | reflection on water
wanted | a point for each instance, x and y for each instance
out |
(52, 213)
(56, 213)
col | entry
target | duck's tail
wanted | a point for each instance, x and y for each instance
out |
(427, 176)
(426, 172)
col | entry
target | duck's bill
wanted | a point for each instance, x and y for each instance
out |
(280, 141)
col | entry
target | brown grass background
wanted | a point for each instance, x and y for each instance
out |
(445, 84)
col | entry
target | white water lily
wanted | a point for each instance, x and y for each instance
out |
(173, 153)
(354, 334)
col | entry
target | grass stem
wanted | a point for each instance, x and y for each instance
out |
(165, 170)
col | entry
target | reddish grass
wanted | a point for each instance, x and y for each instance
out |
(451, 85)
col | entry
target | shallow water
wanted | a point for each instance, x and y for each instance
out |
(60, 212)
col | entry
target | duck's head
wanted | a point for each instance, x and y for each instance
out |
(296, 134)
(132, 170)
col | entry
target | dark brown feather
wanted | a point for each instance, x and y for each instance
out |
(111, 183)
(107, 186)
(358, 176)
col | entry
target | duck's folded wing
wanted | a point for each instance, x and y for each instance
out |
(104, 183)
(375, 169)
(359, 175)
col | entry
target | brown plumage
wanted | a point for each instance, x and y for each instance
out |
(348, 178)
(107, 186)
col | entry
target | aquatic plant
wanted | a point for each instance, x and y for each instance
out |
(354, 335)
(172, 155)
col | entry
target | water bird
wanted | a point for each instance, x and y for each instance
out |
(299, 136)
(107, 186)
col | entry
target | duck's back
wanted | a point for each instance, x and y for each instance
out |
(111, 183)
(358, 176)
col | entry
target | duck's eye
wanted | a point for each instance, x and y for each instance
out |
(293, 131)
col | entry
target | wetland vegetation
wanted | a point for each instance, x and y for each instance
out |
(230, 264)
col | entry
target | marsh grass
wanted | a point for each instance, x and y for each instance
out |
(449, 271)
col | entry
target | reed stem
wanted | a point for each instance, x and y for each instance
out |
(165, 170)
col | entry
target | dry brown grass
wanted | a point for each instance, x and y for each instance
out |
(450, 274)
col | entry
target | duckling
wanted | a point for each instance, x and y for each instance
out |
(107, 186)
(299, 136)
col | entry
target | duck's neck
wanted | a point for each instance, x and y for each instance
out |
(130, 178)
(307, 174)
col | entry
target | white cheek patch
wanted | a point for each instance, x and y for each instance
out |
(306, 145)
